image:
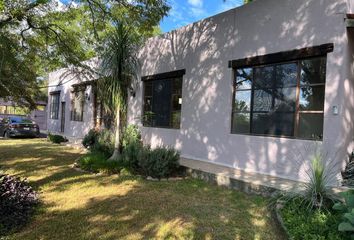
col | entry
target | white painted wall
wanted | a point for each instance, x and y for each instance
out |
(62, 80)
(204, 49)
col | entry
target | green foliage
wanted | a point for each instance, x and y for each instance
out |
(158, 163)
(56, 138)
(97, 162)
(105, 142)
(131, 135)
(90, 138)
(316, 224)
(36, 37)
(132, 147)
(317, 193)
(346, 208)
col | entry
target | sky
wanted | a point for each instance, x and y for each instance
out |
(183, 12)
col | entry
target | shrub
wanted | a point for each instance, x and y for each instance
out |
(17, 202)
(97, 162)
(90, 138)
(56, 138)
(132, 147)
(346, 208)
(316, 224)
(158, 163)
(99, 141)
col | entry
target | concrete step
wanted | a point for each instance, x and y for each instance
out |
(252, 183)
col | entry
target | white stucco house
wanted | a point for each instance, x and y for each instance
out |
(255, 88)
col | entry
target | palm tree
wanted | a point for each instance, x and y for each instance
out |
(119, 67)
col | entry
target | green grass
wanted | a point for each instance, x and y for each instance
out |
(97, 162)
(304, 224)
(79, 206)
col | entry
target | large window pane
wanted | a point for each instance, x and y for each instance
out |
(262, 100)
(311, 126)
(241, 123)
(313, 71)
(275, 124)
(312, 98)
(286, 75)
(242, 101)
(285, 99)
(244, 78)
(264, 77)
(162, 103)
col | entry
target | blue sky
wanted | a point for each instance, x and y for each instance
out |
(184, 12)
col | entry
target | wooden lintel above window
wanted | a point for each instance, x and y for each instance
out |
(83, 84)
(54, 92)
(350, 20)
(285, 56)
(173, 74)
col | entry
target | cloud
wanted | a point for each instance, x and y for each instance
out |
(196, 3)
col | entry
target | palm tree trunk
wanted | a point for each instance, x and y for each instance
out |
(116, 153)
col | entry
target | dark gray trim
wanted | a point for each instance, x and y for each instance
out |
(159, 76)
(286, 56)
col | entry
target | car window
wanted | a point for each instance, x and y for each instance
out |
(20, 120)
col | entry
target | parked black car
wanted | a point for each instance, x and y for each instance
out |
(18, 126)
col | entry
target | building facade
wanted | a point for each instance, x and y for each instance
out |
(258, 88)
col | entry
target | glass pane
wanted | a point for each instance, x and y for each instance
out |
(148, 89)
(176, 102)
(311, 126)
(177, 86)
(285, 99)
(242, 101)
(262, 100)
(147, 104)
(241, 123)
(312, 98)
(176, 119)
(275, 124)
(264, 77)
(244, 78)
(161, 105)
(286, 75)
(313, 71)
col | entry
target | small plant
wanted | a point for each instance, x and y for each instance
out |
(159, 163)
(132, 148)
(99, 141)
(347, 209)
(131, 135)
(97, 162)
(56, 138)
(90, 139)
(17, 202)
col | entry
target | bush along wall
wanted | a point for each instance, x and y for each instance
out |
(17, 203)
(161, 162)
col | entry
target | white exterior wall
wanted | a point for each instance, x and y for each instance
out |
(62, 80)
(262, 27)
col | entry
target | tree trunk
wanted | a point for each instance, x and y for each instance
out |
(116, 153)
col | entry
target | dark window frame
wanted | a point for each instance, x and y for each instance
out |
(74, 115)
(168, 76)
(54, 109)
(297, 110)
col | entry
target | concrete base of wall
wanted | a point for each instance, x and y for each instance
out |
(253, 183)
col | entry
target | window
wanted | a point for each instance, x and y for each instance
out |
(77, 104)
(163, 100)
(54, 105)
(284, 99)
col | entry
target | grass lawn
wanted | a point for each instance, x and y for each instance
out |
(83, 206)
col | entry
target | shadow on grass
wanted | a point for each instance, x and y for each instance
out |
(84, 206)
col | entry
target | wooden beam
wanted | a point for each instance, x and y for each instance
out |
(286, 56)
(159, 76)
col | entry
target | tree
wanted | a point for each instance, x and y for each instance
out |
(119, 68)
(49, 35)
